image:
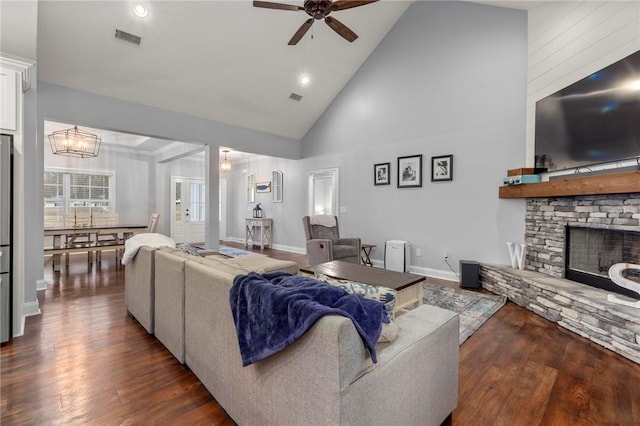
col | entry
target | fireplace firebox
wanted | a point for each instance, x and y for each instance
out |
(590, 252)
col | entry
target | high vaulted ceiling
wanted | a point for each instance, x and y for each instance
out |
(222, 60)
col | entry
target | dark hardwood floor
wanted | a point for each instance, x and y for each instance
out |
(84, 361)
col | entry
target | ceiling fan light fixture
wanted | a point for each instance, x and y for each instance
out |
(225, 165)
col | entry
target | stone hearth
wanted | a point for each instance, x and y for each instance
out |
(542, 288)
(576, 307)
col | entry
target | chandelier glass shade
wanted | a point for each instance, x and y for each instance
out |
(225, 165)
(75, 143)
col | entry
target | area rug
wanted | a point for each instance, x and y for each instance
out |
(473, 308)
(236, 252)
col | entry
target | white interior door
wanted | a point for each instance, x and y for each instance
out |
(323, 192)
(188, 210)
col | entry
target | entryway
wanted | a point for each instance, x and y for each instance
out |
(187, 210)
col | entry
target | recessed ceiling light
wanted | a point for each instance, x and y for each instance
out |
(305, 79)
(140, 10)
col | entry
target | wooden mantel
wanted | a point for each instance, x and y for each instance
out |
(616, 183)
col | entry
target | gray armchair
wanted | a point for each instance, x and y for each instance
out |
(324, 243)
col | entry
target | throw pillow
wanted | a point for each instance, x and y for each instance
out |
(188, 249)
(379, 293)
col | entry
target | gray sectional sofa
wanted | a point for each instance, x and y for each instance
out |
(325, 377)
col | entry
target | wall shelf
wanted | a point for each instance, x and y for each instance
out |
(615, 183)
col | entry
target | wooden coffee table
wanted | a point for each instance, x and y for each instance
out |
(408, 286)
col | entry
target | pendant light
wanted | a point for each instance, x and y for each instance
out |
(225, 165)
(75, 143)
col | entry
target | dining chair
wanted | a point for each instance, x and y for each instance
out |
(80, 217)
(106, 238)
(153, 222)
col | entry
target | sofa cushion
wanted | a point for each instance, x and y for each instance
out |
(379, 293)
(264, 264)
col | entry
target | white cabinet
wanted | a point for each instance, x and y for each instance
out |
(8, 100)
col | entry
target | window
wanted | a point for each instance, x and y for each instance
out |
(66, 189)
(277, 186)
(197, 202)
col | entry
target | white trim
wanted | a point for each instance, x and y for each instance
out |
(31, 308)
(330, 172)
(41, 285)
(427, 272)
(282, 247)
(20, 65)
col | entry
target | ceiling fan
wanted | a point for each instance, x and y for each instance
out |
(319, 9)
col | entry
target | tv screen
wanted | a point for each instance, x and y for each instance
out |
(594, 120)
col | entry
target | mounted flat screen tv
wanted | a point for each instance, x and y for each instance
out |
(595, 120)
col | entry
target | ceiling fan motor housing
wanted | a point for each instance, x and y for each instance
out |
(317, 9)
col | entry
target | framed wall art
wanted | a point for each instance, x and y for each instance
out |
(262, 187)
(442, 168)
(410, 171)
(382, 174)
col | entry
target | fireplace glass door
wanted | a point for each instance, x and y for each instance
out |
(592, 251)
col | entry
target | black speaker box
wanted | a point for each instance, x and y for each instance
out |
(469, 274)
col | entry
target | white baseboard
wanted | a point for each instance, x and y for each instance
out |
(31, 308)
(41, 285)
(427, 272)
(291, 249)
(28, 309)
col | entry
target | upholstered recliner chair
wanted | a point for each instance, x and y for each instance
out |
(324, 243)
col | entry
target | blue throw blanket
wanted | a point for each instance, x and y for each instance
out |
(271, 311)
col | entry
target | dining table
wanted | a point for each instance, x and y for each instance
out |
(66, 239)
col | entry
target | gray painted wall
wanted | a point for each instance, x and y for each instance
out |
(62, 104)
(449, 78)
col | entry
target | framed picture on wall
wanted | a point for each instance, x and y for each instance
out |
(382, 174)
(442, 168)
(410, 171)
(262, 187)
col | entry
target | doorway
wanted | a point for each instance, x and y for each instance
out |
(323, 192)
(188, 210)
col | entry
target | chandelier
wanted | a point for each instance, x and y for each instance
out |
(75, 143)
(225, 165)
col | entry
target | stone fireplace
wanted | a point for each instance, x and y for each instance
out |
(604, 229)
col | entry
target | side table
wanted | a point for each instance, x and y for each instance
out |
(366, 252)
(258, 228)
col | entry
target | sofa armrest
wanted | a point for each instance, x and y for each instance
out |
(139, 286)
(319, 251)
(424, 357)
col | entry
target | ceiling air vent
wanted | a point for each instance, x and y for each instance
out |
(295, 96)
(129, 38)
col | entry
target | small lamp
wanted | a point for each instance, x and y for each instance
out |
(257, 212)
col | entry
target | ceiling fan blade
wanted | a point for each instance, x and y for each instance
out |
(341, 29)
(280, 6)
(348, 4)
(301, 32)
